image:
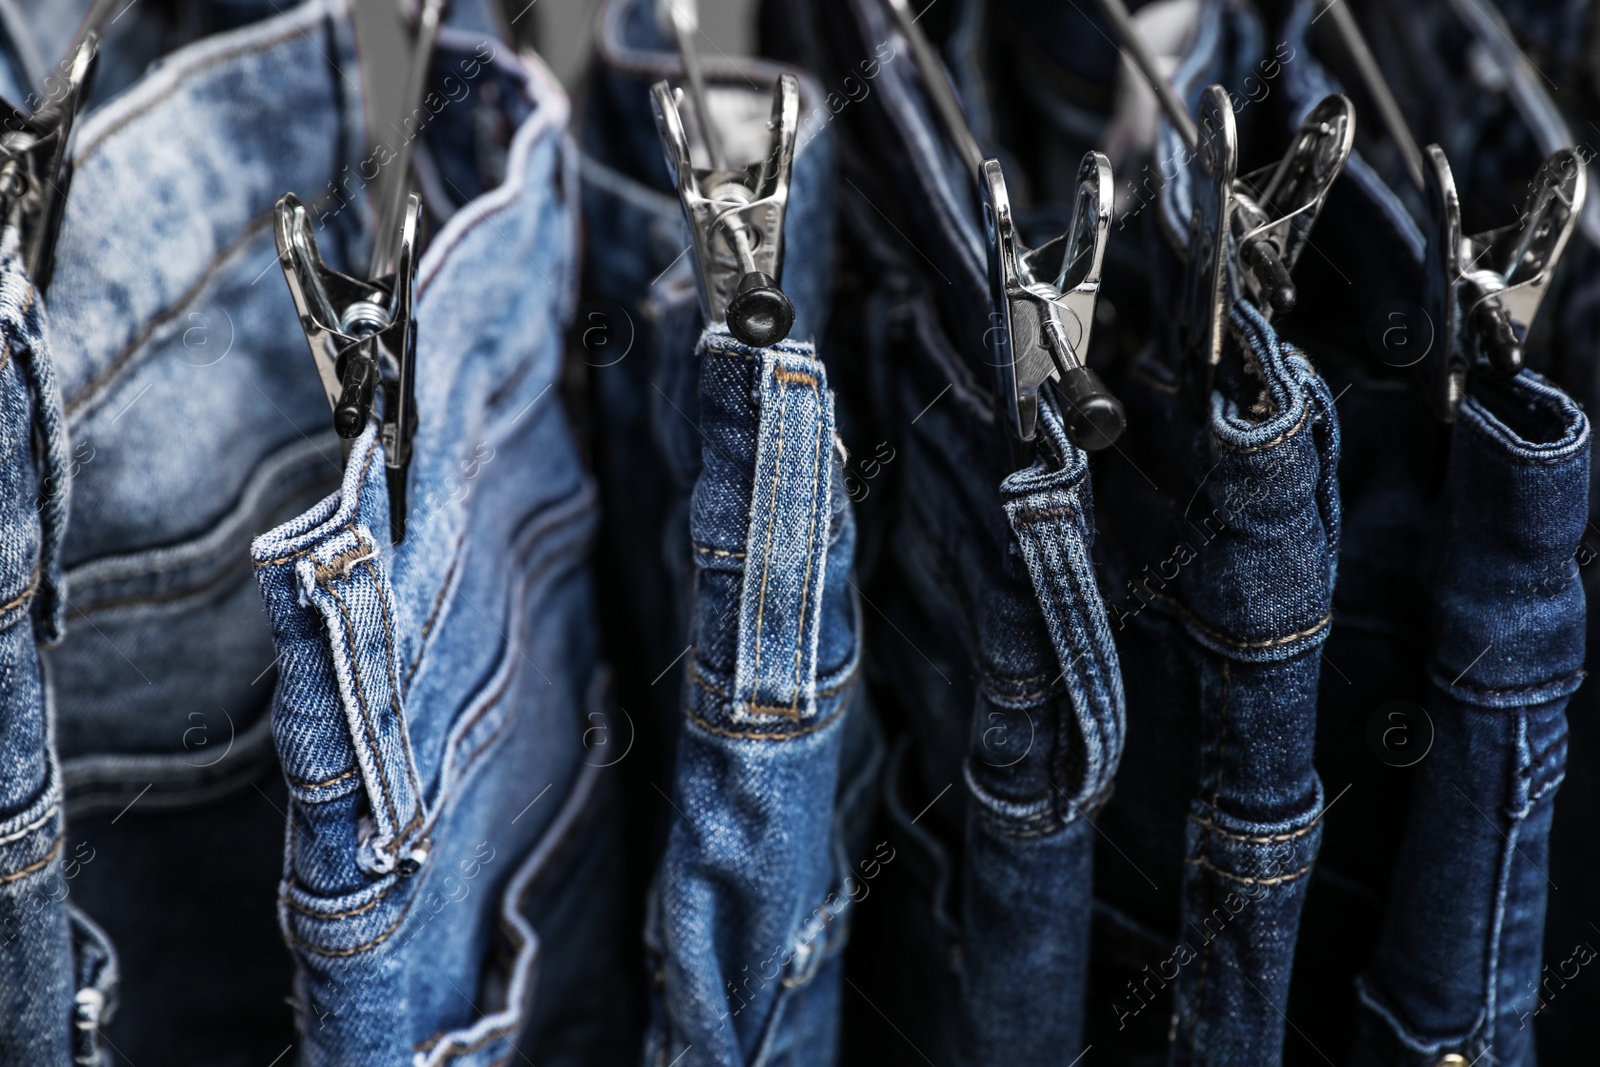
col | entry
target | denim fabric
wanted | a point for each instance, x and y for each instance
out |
(195, 421)
(1395, 455)
(1458, 966)
(39, 971)
(756, 874)
(432, 693)
(640, 320)
(987, 644)
(636, 338)
(1226, 558)
(1226, 545)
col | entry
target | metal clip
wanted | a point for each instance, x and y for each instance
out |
(1268, 214)
(735, 218)
(350, 326)
(1044, 300)
(36, 169)
(1277, 205)
(1485, 290)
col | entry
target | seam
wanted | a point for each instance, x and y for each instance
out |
(298, 784)
(722, 694)
(379, 764)
(26, 595)
(1246, 450)
(252, 228)
(1205, 864)
(390, 651)
(31, 868)
(1489, 691)
(182, 84)
(339, 566)
(17, 835)
(719, 552)
(772, 518)
(433, 616)
(743, 735)
(1270, 642)
(784, 374)
(309, 549)
(1250, 839)
(358, 949)
(811, 550)
(345, 914)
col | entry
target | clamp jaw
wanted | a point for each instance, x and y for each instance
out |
(735, 217)
(35, 167)
(356, 329)
(1484, 291)
(1263, 219)
(1044, 303)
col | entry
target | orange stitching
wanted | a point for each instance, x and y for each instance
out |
(784, 374)
(298, 784)
(26, 595)
(339, 566)
(1278, 440)
(1201, 861)
(746, 736)
(55, 850)
(1252, 839)
(811, 548)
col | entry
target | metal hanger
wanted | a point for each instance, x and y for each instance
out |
(351, 324)
(1485, 290)
(735, 214)
(1047, 307)
(36, 159)
(1043, 299)
(1264, 217)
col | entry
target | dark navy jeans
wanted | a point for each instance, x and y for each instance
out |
(987, 647)
(1458, 966)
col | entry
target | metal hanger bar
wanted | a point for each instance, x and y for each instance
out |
(92, 22)
(937, 83)
(684, 25)
(397, 187)
(1138, 50)
(1378, 87)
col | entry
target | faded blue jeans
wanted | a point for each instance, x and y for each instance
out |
(56, 970)
(753, 897)
(451, 890)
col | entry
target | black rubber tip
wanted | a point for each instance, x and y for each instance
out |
(760, 315)
(359, 381)
(1499, 338)
(1273, 277)
(1095, 418)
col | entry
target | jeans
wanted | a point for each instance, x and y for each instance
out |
(431, 694)
(1222, 544)
(988, 647)
(195, 420)
(1395, 477)
(56, 969)
(760, 874)
(1458, 965)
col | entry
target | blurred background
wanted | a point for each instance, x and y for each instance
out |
(564, 31)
